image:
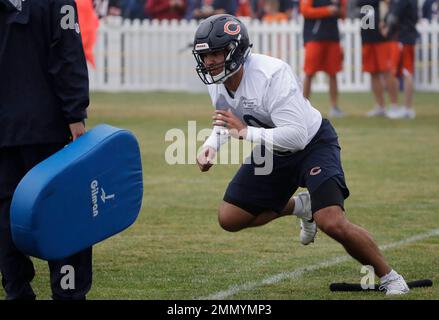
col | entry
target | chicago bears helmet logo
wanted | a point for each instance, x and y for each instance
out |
(232, 28)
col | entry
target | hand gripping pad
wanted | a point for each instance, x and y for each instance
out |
(88, 191)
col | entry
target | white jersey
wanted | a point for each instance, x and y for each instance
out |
(270, 101)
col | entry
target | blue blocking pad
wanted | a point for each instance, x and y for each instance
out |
(88, 191)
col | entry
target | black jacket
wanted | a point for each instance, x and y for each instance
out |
(43, 73)
(402, 20)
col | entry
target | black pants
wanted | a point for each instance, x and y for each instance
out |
(16, 268)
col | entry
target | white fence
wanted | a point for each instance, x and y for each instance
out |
(153, 55)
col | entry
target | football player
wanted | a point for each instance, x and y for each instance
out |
(258, 98)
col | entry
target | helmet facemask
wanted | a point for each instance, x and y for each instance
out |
(233, 61)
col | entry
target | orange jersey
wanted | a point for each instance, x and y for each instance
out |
(309, 11)
(243, 9)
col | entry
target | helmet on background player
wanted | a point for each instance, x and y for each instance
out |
(221, 32)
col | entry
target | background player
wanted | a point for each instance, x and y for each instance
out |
(258, 98)
(377, 60)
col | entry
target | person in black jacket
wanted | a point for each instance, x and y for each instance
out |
(44, 94)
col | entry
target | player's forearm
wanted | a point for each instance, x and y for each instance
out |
(291, 138)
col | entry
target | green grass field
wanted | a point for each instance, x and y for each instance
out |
(176, 250)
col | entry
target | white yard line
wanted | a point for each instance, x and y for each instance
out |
(232, 290)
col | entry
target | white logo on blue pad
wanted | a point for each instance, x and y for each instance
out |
(94, 197)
